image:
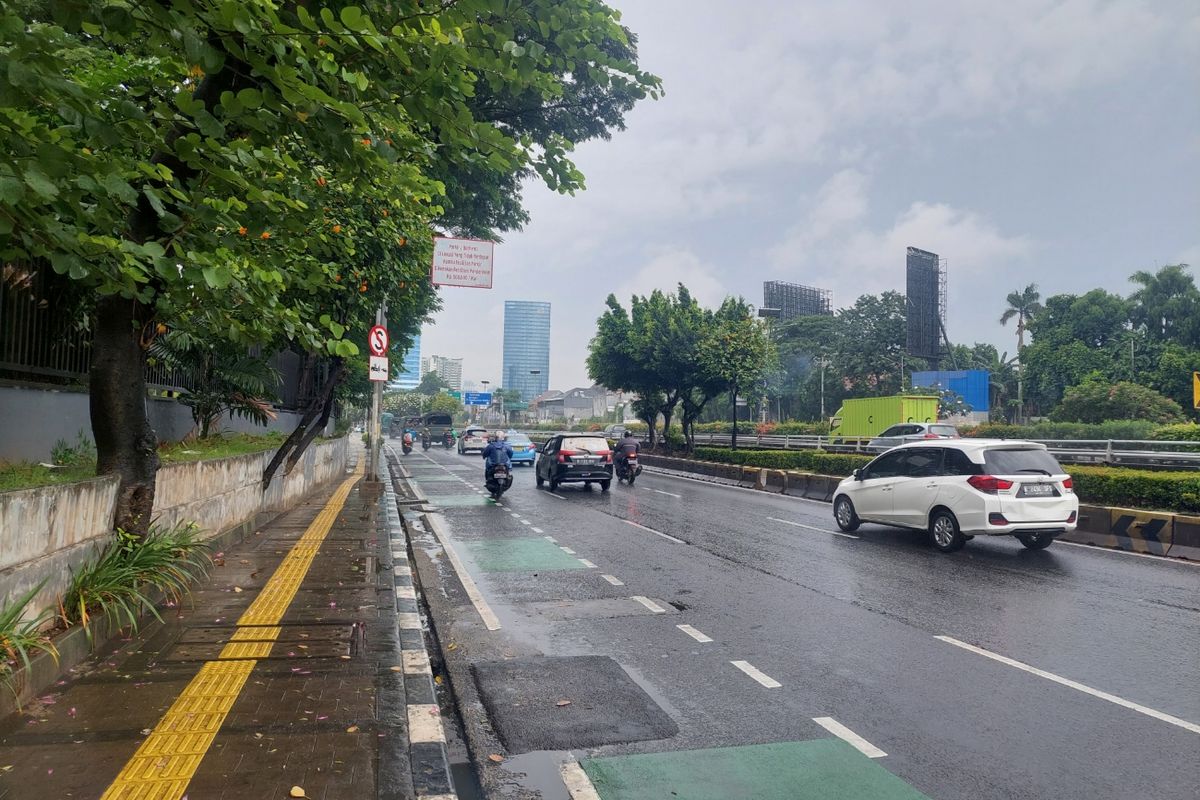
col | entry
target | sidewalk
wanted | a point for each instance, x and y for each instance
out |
(284, 669)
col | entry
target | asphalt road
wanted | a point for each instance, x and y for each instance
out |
(847, 627)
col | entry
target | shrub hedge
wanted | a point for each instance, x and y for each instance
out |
(1183, 432)
(1106, 486)
(1114, 429)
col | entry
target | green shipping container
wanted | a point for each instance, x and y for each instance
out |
(871, 416)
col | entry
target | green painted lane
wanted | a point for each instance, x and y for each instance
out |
(440, 477)
(520, 555)
(459, 500)
(821, 769)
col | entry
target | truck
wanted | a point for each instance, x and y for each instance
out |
(865, 417)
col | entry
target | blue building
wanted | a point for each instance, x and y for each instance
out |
(526, 365)
(409, 374)
(969, 384)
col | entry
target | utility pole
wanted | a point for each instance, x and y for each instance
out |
(823, 362)
(375, 440)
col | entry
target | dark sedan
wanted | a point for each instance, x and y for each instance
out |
(575, 458)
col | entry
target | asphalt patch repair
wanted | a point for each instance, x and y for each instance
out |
(562, 703)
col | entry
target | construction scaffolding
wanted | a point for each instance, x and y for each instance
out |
(925, 293)
(794, 300)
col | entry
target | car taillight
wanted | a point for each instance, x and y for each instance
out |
(931, 436)
(1072, 517)
(1069, 484)
(562, 455)
(989, 484)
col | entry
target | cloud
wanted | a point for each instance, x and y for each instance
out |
(667, 270)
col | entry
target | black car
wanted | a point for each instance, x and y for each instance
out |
(575, 458)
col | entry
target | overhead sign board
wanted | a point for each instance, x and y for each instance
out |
(1196, 390)
(477, 398)
(378, 369)
(462, 262)
(455, 395)
(377, 340)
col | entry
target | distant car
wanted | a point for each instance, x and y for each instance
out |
(473, 438)
(524, 450)
(957, 489)
(575, 458)
(614, 431)
(911, 432)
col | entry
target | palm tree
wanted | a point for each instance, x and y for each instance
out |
(1023, 305)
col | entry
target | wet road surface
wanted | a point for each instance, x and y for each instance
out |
(1064, 673)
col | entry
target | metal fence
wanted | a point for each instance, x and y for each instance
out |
(40, 342)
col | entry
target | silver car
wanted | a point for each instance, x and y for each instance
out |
(911, 432)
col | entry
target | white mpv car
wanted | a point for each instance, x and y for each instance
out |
(960, 488)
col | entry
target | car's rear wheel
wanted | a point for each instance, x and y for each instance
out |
(944, 533)
(844, 514)
(540, 481)
(553, 484)
(1036, 541)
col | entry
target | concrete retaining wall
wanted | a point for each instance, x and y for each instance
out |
(1159, 533)
(48, 531)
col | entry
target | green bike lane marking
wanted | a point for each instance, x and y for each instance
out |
(519, 555)
(820, 769)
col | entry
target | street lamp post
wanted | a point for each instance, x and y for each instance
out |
(823, 362)
(534, 373)
(768, 314)
(485, 385)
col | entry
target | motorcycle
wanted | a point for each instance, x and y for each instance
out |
(406, 444)
(448, 440)
(426, 441)
(628, 469)
(499, 481)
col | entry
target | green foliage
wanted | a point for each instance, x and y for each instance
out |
(21, 634)
(1133, 488)
(442, 402)
(81, 453)
(431, 383)
(120, 582)
(1057, 431)
(224, 446)
(1096, 400)
(817, 461)
(24, 475)
(1183, 432)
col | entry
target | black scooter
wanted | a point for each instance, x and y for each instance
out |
(628, 468)
(448, 440)
(426, 441)
(499, 482)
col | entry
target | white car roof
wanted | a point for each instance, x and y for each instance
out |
(971, 446)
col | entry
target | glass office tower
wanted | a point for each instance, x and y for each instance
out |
(409, 374)
(526, 365)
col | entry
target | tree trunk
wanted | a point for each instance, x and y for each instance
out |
(126, 445)
(312, 432)
(1020, 371)
(297, 440)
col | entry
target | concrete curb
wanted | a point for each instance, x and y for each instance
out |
(1158, 533)
(430, 760)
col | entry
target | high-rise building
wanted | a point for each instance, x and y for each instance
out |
(448, 369)
(526, 365)
(409, 374)
(794, 300)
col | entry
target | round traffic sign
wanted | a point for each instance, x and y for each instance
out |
(377, 340)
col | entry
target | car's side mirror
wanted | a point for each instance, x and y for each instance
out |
(858, 474)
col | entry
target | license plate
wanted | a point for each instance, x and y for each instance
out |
(578, 460)
(1037, 490)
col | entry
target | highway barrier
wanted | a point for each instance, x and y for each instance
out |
(1159, 533)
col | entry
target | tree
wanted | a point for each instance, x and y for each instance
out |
(168, 156)
(1097, 400)
(431, 383)
(444, 403)
(1167, 305)
(1024, 306)
(738, 352)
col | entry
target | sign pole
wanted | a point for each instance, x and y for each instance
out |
(376, 441)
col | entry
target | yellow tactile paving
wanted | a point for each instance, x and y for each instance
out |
(165, 762)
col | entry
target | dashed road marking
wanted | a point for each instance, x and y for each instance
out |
(648, 603)
(587, 563)
(757, 674)
(490, 620)
(1050, 676)
(695, 634)
(811, 527)
(615, 581)
(555, 496)
(1160, 559)
(656, 533)
(568, 551)
(660, 491)
(549, 538)
(526, 522)
(538, 530)
(845, 734)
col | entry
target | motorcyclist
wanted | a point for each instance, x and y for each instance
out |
(496, 453)
(625, 448)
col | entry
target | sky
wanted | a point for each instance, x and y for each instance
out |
(1024, 141)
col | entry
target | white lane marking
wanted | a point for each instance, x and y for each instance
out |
(425, 723)
(648, 603)
(577, 782)
(810, 527)
(758, 492)
(549, 538)
(416, 662)
(526, 522)
(758, 675)
(490, 620)
(660, 491)
(515, 514)
(498, 503)
(845, 734)
(1159, 559)
(538, 530)
(555, 496)
(695, 634)
(568, 551)
(587, 563)
(656, 533)
(1050, 676)
(408, 621)
(615, 581)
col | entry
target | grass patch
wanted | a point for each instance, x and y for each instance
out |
(21, 638)
(238, 444)
(28, 476)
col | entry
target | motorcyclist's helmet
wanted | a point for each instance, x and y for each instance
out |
(501, 436)
(628, 434)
